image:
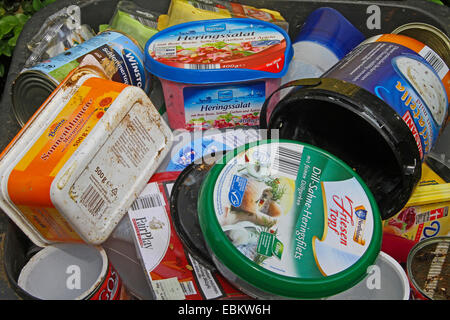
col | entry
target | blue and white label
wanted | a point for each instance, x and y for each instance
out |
(237, 189)
(404, 80)
(224, 105)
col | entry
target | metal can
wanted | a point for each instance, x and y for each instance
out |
(393, 91)
(428, 269)
(117, 55)
(74, 169)
(434, 38)
(429, 35)
(68, 271)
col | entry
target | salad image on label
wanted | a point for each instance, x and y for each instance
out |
(290, 212)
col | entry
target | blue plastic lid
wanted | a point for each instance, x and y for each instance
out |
(331, 29)
(250, 49)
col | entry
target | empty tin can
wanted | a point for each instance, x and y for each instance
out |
(115, 54)
(68, 271)
(428, 269)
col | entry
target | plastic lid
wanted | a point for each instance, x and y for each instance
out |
(315, 237)
(183, 208)
(331, 29)
(203, 52)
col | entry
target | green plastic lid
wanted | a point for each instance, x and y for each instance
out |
(289, 219)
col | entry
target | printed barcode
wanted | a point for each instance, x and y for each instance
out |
(202, 66)
(287, 161)
(147, 201)
(434, 60)
(204, 6)
(188, 288)
(92, 200)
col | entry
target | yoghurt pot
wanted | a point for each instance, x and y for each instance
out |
(218, 73)
(284, 219)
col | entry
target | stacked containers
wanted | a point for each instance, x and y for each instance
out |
(194, 61)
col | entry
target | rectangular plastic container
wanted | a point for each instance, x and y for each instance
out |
(182, 113)
(75, 168)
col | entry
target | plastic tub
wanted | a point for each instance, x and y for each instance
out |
(194, 60)
(386, 280)
(73, 170)
(287, 220)
(325, 37)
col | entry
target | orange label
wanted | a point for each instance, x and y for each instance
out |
(31, 179)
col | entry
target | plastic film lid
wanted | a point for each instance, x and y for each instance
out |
(330, 28)
(316, 240)
(205, 51)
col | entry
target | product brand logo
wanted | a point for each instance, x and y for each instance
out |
(215, 27)
(134, 67)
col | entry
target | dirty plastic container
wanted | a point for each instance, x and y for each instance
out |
(74, 169)
(218, 73)
(291, 213)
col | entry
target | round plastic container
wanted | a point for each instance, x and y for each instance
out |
(283, 219)
(193, 60)
(325, 38)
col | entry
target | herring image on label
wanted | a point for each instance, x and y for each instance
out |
(293, 211)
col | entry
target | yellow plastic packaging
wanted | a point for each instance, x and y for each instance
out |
(426, 213)
(181, 11)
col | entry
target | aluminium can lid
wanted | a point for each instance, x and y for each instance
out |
(290, 219)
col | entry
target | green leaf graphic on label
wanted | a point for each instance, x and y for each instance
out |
(278, 248)
(269, 245)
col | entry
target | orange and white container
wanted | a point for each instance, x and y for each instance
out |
(74, 169)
